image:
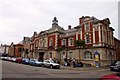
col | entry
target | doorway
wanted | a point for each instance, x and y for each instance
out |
(41, 55)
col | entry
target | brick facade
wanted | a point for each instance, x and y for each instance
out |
(97, 34)
(16, 50)
(117, 45)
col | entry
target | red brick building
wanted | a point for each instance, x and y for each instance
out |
(117, 45)
(15, 50)
(98, 36)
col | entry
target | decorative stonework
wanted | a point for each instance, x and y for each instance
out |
(100, 37)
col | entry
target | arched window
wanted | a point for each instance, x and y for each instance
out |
(88, 55)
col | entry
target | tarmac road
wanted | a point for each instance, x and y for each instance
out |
(15, 70)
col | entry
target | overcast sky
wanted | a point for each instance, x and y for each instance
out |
(19, 18)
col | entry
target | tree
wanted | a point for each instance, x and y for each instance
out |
(80, 44)
(59, 49)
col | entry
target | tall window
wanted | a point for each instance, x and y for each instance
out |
(88, 55)
(37, 43)
(96, 28)
(70, 54)
(63, 42)
(43, 42)
(87, 26)
(71, 41)
(50, 54)
(51, 42)
(87, 38)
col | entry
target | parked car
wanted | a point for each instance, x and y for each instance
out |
(35, 62)
(79, 64)
(13, 59)
(4, 56)
(18, 60)
(115, 66)
(25, 61)
(8, 58)
(51, 64)
(114, 76)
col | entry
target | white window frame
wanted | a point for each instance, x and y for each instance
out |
(43, 43)
(87, 39)
(51, 42)
(87, 26)
(71, 43)
(64, 42)
(88, 56)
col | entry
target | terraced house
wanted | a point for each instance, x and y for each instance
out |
(98, 46)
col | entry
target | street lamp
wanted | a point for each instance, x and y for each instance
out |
(66, 52)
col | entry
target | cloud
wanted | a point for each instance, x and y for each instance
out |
(19, 18)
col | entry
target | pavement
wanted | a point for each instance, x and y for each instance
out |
(85, 68)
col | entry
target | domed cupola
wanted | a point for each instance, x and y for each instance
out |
(55, 22)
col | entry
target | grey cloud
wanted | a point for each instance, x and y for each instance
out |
(23, 17)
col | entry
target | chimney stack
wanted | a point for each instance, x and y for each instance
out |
(69, 26)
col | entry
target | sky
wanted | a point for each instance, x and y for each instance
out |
(19, 18)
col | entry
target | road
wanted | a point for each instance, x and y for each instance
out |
(15, 70)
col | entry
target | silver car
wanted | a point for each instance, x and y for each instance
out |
(35, 62)
(51, 64)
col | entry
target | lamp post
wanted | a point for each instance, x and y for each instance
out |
(66, 47)
(66, 52)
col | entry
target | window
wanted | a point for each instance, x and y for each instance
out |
(51, 42)
(63, 42)
(50, 54)
(37, 43)
(71, 42)
(87, 27)
(110, 56)
(70, 54)
(79, 31)
(87, 38)
(96, 28)
(88, 55)
(64, 56)
(42, 42)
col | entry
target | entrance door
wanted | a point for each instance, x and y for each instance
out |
(41, 54)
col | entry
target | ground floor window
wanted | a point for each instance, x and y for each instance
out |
(63, 56)
(87, 55)
(70, 54)
(50, 54)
